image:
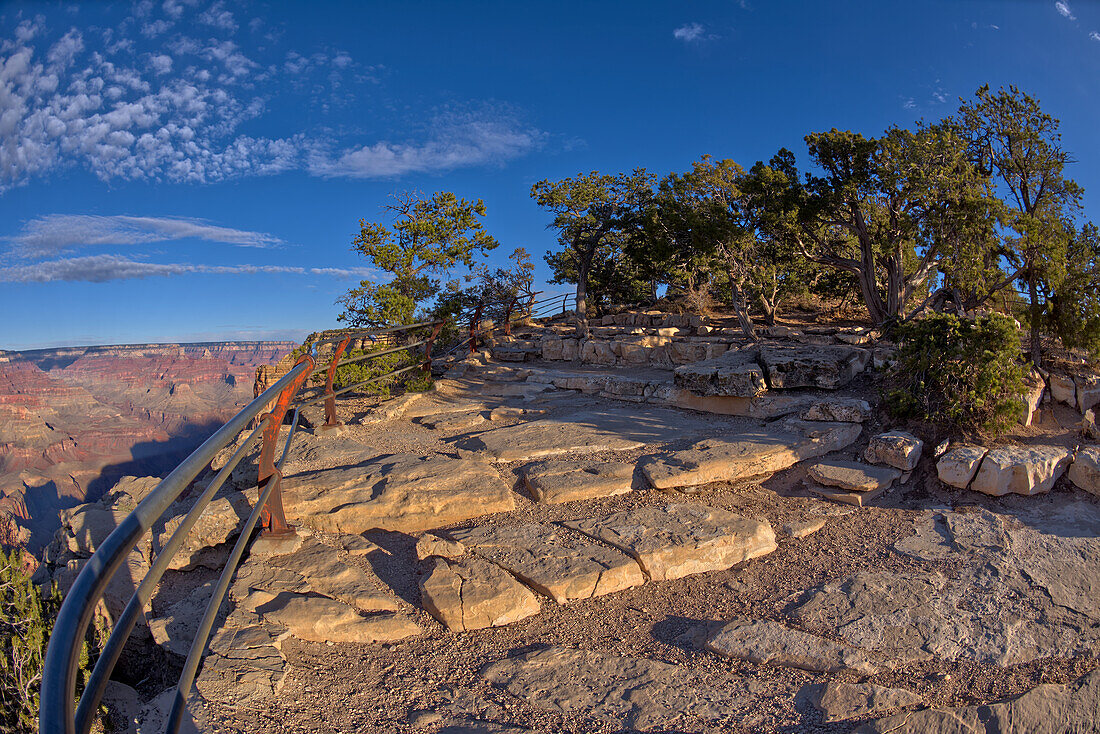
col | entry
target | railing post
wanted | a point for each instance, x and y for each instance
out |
(330, 399)
(274, 519)
(508, 316)
(474, 323)
(428, 347)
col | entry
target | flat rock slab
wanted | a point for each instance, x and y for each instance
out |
(828, 367)
(554, 561)
(803, 528)
(845, 496)
(449, 422)
(959, 465)
(320, 567)
(1025, 470)
(402, 492)
(842, 701)
(853, 476)
(555, 481)
(635, 694)
(1051, 708)
(750, 454)
(846, 410)
(898, 449)
(678, 540)
(471, 594)
(736, 373)
(767, 642)
(583, 432)
(320, 619)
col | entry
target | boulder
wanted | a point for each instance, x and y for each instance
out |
(1033, 395)
(472, 594)
(735, 373)
(828, 367)
(846, 496)
(1025, 470)
(1063, 389)
(681, 539)
(765, 642)
(840, 701)
(853, 476)
(1089, 427)
(846, 410)
(1085, 469)
(320, 619)
(1088, 392)
(431, 545)
(959, 465)
(803, 528)
(553, 482)
(746, 455)
(898, 449)
(404, 492)
(554, 561)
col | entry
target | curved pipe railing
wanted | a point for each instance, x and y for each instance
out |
(59, 712)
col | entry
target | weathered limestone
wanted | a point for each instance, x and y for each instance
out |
(766, 642)
(803, 528)
(554, 482)
(554, 561)
(898, 449)
(1085, 469)
(401, 492)
(847, 410)
(846, 497)
(1046, 709)
(1088, 392)
(745, 455)
(735, 373)
(1025, 470)
(842, 701)
(393, 409)
(1035, 386)
(320, 566)
(450, 422)
(431, 545)
(1063, 389)
(471, 594)
(959, 465)
(582, 432)
(681, 539)
(853, 476)
(828, 367)
(175, 631)
(219, 523)
(320, 619)
(635, 694)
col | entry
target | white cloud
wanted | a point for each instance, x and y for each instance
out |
(1094, 36)
(106, 268)
(161, 64)
(218, 17)
(1063, 8)
(57, 233)
(484, 138)
(690, 33)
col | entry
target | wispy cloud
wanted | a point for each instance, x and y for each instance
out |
(691, 33)
(106, 268)
(487, 137)
(1063, 8)
(57, 233)
(1095, 36)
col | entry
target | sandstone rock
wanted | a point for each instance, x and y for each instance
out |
(898, 449)
(356, 545)
(1088, 392)
(853, 475)
(803, 528)
(746, 455)
(472, 594)
(1046, 709)
(767, 406)
(219, 523)
(583, 432)
(1025, 470)
(1085, 469)
(401, 492)
(176, 631)
(393, 409)
(850, 410)
(459, 422)
(320, 619)
(432, 545)
(841, 701)
(1033, 395)
(326, 574)
(735, 373)
(554, 482)
(554, 561)
(847, 497)
(625, 693)
(244, 662)
(765, 642)
(681, 539)
(1089, 426)
(959, 465)
(1063, 389)
(828, 367)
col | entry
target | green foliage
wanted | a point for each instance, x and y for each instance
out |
(1075, 305)
(962, 374)
(494, 289)
(369, 369)
(26, 619)
(426, 238)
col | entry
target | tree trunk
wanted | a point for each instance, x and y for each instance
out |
(1036, 314)
(582, 297)
(738, 298)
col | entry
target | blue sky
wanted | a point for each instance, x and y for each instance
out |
(186, 170)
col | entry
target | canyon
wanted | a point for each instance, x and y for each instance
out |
(73, 420)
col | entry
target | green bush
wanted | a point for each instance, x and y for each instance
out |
(413, 380)
(960, 374)
(26, 618)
